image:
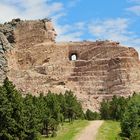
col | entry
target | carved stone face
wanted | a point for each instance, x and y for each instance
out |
(51, 33)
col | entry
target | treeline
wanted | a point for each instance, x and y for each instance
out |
(125, 110)
(29, 117)
(113, 109)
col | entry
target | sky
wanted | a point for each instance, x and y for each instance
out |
(77, 20)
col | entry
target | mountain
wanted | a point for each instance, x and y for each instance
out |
(30, 57)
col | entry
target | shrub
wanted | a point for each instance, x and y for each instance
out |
(113, 109)
(92, 115)
(131, 118)
(135, 135)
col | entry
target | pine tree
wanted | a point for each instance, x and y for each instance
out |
(13, 115)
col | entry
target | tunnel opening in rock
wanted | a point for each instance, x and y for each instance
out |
(73, 57)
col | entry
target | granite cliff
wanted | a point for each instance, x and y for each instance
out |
(30, 57)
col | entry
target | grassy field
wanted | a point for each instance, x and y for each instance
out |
(69, 130)
(109, 131)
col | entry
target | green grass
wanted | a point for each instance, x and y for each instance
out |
(109, 131)
(69, 130)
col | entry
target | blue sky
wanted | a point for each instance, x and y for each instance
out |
(76, 20)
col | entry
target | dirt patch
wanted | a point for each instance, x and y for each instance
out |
(89, 133)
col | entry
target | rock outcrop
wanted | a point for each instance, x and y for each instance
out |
(32, 59)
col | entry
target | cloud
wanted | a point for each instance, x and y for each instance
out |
(112, 29)
(135, 8)
(75, 36)
(116, 30)
(28, 9)
(73, 3)
(69, 32)
(134, 1)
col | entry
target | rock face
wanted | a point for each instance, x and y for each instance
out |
(32, 59)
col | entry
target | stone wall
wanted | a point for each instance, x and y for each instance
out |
(36, 63)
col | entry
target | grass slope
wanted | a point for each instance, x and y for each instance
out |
(69, 130)
(109, 131)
